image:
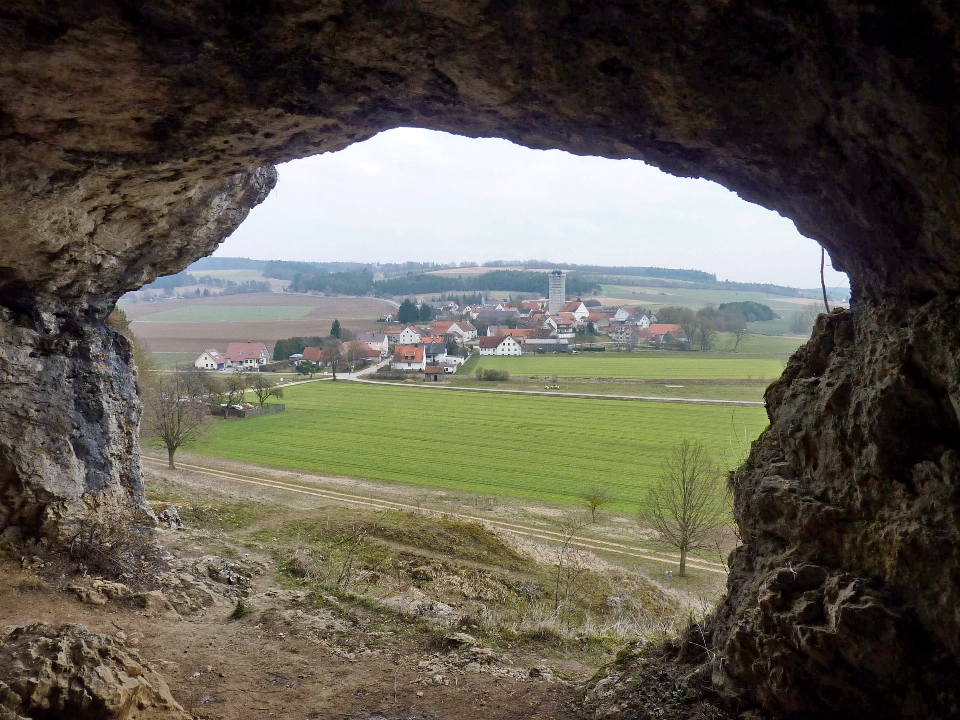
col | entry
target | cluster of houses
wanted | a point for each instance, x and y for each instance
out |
(427, 350)
(511, 329)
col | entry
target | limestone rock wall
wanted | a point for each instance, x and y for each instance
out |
(845, 591)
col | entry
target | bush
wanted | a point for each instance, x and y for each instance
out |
(492, 375)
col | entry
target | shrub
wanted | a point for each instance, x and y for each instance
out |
(492, 375)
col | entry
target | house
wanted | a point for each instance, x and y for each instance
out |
(434, 373)
(375, 340)
(210, 360)
(561, 326)
(402, 334)
(247, 354)
(627, 333)
(579, 310)
(369, 352)
(312, 354)
(461, 330)
(498, 317)
(505, 345)
(516, 333)
(435, 352)
(440, 327)
(410, 335)
(408, 357)
(666, 334)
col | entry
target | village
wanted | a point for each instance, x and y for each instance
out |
(551, 325)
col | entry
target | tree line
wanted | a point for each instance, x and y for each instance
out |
(360, 282)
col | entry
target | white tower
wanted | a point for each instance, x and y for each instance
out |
(558, 292)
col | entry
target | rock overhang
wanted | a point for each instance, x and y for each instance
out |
(134, 137)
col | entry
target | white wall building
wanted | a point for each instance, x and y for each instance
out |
(557, 285)
(505, 345)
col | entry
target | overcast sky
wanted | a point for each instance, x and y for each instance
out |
(410, 194)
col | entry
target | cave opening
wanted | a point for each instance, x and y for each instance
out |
(134, 139)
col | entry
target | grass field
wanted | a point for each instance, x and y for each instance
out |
(512, 445)
(640, 365)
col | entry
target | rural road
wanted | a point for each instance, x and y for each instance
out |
(597, 396)
(377, 504)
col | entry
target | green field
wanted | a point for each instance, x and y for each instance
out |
(663, 365)
(165, 360)
(523, 446)
(692, 297)
(230, 313)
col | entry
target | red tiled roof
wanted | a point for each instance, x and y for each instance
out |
(491, 342)
(515, 332)
(367, 351)
(214, 355)
(434, 370)
(312, 354)
(238, 352)
(408, 353)
(571, 306)
(440, 328)
(664, 328)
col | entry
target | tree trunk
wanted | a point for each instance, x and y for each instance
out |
(170, 452)
(683, 562)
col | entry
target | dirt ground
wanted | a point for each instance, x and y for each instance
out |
(359, 314)
(218, 667)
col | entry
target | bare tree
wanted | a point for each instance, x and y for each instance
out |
(737, 324)
(353, 351)
(175, 410)
(235, 388)
(687, 503)
(594, 498)
(333, 355)
(265, 388)
(803, 320)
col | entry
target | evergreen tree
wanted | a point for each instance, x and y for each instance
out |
(335, 329)
(408, 312)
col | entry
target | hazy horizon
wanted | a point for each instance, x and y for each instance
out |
(412, 195)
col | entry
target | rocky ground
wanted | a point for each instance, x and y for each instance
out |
(211, 624)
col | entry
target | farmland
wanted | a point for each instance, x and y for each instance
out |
(512, 445)
(194, 324)
(640, 366)
(655, 297)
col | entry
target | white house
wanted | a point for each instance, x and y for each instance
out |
(210, 360)
(504, 345)
(560, 326)
(409, 336)
(579, 310)
(408, 357)
(247, 354)
(621, 315)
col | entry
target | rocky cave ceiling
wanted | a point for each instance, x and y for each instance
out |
(136, 135)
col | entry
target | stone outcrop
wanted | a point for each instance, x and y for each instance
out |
(849, 509)
(134, 137)
(70, 672)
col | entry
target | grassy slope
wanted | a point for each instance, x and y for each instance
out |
(536, 447)
(640, 365)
